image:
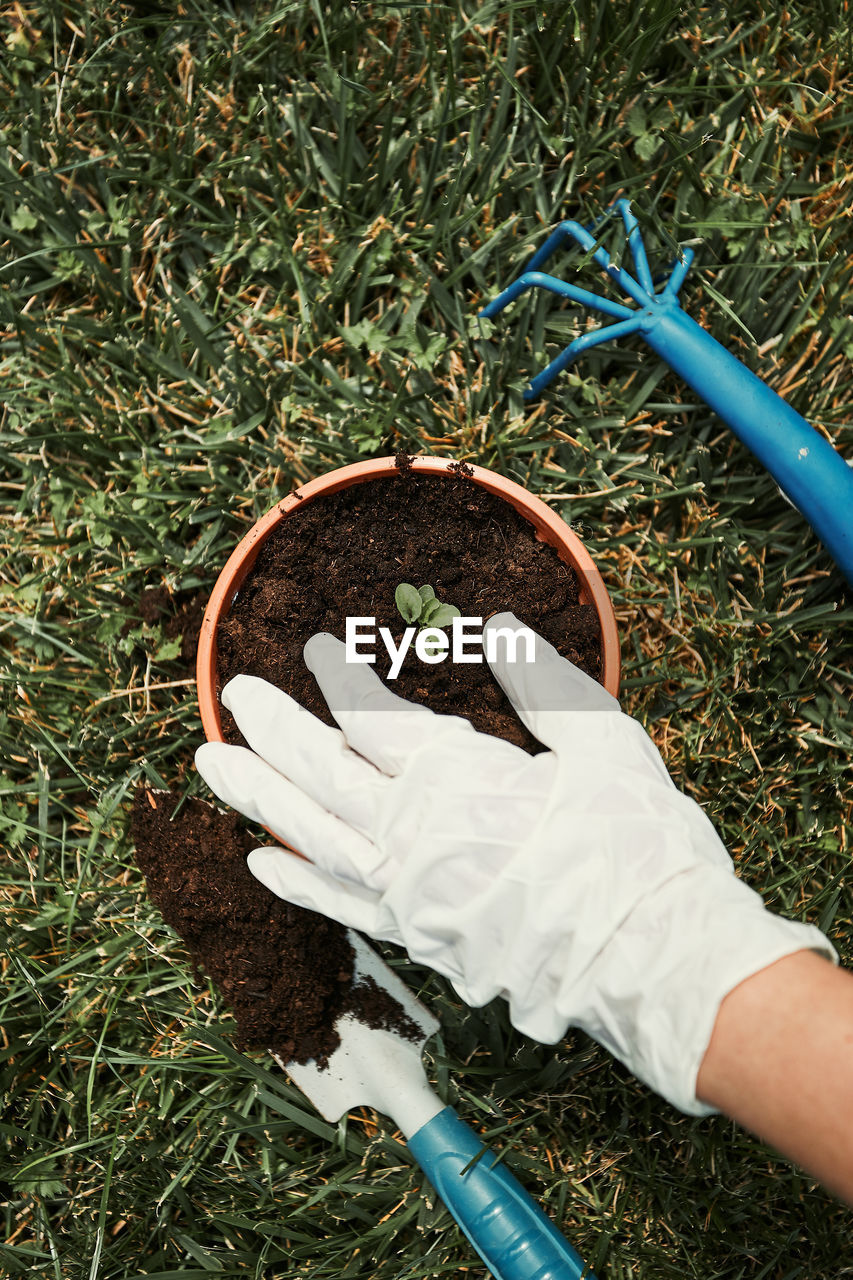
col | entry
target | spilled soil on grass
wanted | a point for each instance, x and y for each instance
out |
(287, 974)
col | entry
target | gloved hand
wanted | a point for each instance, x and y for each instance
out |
(580, 884)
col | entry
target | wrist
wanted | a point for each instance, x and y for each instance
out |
(780, 1062)
(654, 992)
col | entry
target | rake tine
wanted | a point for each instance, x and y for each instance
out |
(594, 338)
(679, 271)
(636, 246)
(635, 239)
(539, 280)
(569, 230)
(572, 230)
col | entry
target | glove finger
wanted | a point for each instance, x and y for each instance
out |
(247, 783)
(378, 724)
(314, 756)
(539, 683)
(306, 885)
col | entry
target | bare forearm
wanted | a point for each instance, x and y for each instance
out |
(780, 1063)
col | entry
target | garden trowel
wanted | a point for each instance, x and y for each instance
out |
(382, 1069)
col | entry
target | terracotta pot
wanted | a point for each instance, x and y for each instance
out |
(549, 527)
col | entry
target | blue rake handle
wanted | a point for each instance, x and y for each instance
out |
(802, 462)
(515, 1239)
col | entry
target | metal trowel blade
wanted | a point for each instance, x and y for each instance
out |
(373, 1067)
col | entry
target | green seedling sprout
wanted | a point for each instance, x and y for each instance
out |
(419, 606)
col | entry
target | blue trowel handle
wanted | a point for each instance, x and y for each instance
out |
(805, 466)
(509, 1231)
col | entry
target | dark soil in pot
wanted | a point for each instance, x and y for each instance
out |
(287, 973)
(345, 554)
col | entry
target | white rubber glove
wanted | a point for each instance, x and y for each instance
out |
(580, 884)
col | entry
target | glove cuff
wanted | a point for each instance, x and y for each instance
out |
(660, 1024)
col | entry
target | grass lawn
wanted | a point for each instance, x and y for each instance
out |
(242, 244)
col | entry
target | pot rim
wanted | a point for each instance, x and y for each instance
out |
(550, 527)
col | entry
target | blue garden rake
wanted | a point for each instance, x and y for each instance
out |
(806, 467)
